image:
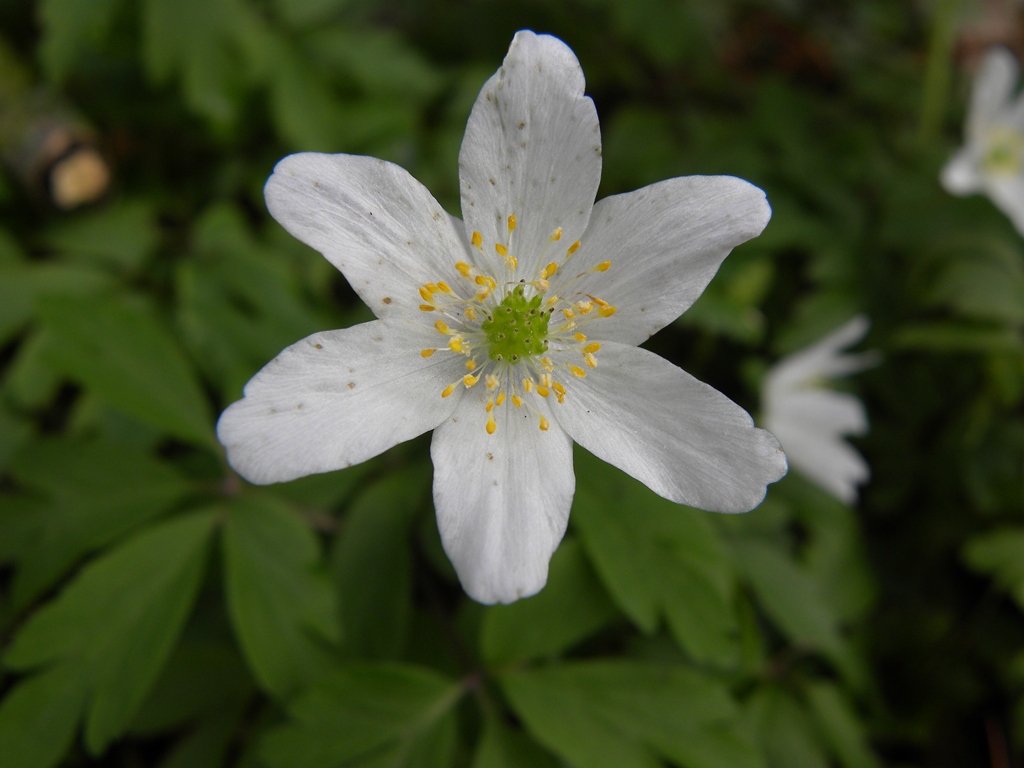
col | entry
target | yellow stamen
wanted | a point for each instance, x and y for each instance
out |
(477, 239)
(544, 424)
(551, 269)
(470, 365)
(569, 314)
(511, 222)
(469, 380)
(442, 286)
(490, 406)
(517, 401)
(501, 398)
(464, 269)
(528, 385)
(584, 307)
(455, 344)
(501, 249)
(590, 360)
(606, 311)
(572, 249)
(492, 381)
(603, 266)
(426, 295)
(426, 308)
(427, 352)
(580, 338)
(543, 391)
(449, 389)
(441, 326)
(491, 425)
(559, 388)
(545, 380)
(591, 348)
(556, 235)
(575, 370)
(470, 313)
(490, 282)
(513, 262)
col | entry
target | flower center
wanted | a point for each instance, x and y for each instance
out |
(1004, 152)
(518, 336)
(518, 328)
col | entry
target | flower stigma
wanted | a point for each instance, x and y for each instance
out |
(1004, 151)
(521, 337)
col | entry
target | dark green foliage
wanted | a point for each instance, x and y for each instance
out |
(157, 610)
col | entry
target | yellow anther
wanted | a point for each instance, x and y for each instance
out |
(603, 266)
(560, 396)
(559, 388)
(501, 249)
(546, 362)
(482, 295)
(492, 381)
(491, 425)
(569, 314)
(513, 262)
(590, 360)
(490, 282)
(426, 295)
(545, 380)
(551, 269)
(432, 287)
(427, 352)
(477, 239)
(528, 385)
(470, 313)
(543, 391)
(470, 365)
(575, 370)
(490, 406)
(542, 285)
(552, 300)
(572, 249)
(580, 338)
(464, 269)
(606, 311)
(449, 389)
(455, 344)
(584, 307)
(511, 222)
(427, 308)
(544, 424)
(501, 398)
(444, 287)
(590, 348)
(517, 401)
(556, 235)
(441, 326)
(469, 379)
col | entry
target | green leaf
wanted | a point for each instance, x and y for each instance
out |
(572, 607)
(119, 349)
(113, 627)
(282, 607)
(39, 717)
(368, 714)
(95, 493)
(786, 731)
(840, 726)
(372, 565)
(300, 13)
(657, 559)
(122, 235)
(72, 30)
(501, 747)
(1000, 553)
(626, 714)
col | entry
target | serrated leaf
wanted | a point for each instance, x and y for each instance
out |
(372, 564)
(282, 607)
(122, 236)
(626, 714)
(572, 607)
(366, 715)
(118, 348)
(95, 492)
(114, 626)
(657, 559)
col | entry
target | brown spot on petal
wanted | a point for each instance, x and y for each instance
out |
(351, 385)
(386, 299)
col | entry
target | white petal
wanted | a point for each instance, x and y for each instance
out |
(960, 175)
(1008, 194)
(532, 148)
(337, 398)
(665, 242)
(372, 220)
(679, 436)
(823, 359)
(825, 459)
(816, 410)
(993, 87)
(502, 500)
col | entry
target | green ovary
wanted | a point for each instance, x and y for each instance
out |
(517, 328)
(1004, 153)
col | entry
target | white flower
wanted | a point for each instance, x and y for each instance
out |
(510, 335)
(992, 160)
(811, 420)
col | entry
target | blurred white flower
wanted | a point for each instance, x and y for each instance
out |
(510, 335)
(992, 158)
(810, 419)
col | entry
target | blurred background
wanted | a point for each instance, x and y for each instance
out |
(155, 610)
